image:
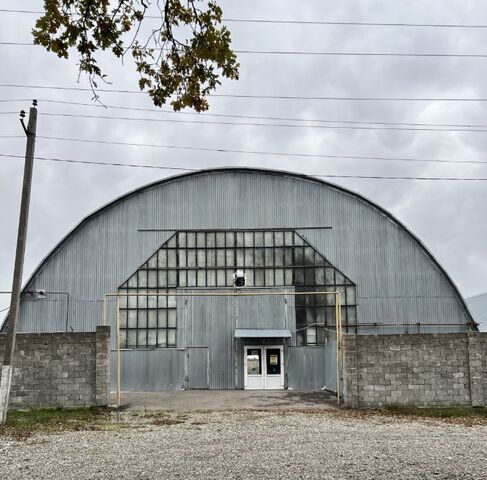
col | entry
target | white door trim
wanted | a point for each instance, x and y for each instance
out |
(264, 384)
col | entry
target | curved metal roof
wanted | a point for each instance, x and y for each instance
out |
(261, 171)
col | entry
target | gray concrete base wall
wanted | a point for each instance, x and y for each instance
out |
(60, 369)
(417, 369)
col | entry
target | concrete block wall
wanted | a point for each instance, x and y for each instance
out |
(60, 369)
(416, 369)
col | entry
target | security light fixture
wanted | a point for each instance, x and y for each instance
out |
(239, 278)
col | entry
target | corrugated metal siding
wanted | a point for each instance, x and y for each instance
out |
(198, 368)
(306, 368)
(149, 370)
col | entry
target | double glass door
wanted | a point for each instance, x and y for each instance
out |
(263, 368)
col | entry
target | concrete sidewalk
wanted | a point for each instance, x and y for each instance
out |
(225, 400)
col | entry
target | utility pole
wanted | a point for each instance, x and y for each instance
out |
(6, 373)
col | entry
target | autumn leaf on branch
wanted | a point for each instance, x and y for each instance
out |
(182, 60)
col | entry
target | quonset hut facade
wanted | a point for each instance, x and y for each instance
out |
(283, 233)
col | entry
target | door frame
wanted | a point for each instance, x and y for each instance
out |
(263, 349)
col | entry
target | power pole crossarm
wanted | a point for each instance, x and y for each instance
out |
(6, 372)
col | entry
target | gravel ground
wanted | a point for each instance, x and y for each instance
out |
(254, 445)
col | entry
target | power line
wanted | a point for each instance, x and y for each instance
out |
(308, 22)
(322, 54)
(161, 167)
(204, 122)
(257, 117)
(262, 97)
(256, 152)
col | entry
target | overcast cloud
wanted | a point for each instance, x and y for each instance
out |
(449, 217)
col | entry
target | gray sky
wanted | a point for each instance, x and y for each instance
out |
(449, 217)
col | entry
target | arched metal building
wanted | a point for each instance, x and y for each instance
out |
(287, 232)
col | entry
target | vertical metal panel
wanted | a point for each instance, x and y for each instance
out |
(149, 370)
(198, 368)
(307, 368)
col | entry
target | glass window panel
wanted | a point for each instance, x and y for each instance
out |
(240, 257)
(162, 301)
(330, 299)
(142, 301)
(171, 300)
(201, 258)
(161, 338)
(269, 277)
(342, 295)
(132, 301)
(142, 319)
(319, 260)
(123, 301)
(152, 301)
(311, 335)
(191, 278)
(152, 279)
(310, 316)
(152, 318)
(288, 276)
(171, 259)
(320, 316)
(329, 276)
(320, 300)
(162, 280)
(172, 278)
(220, 239)
(211, 278)
(300, 317)
(172, 242)
(319, 276)
(352, 314)
(201, 278)
(288, 239)
(249, 257)
(309, 276)
(339, 278)
(200, 240)
(171, 338)
(279, 257)
(151, 337)
(171, 318)
(211, 258)
(220, 278)
(239, 239)
(210, 240)
(230, 257)
(229, 279)
(259, 277)
(300, 339)
(309, 256)
(259, 239)
(220, 258)
(191, 239)
(298, 240)
(182, 239)
(182, 258)
(142, 278)
(162, 318)
(131, 338)
(269, 257)
(182, 278)
(152, 263)
(249, 278)
(330, 316)
(320, 336)
(132, 319)
(132, 281)
(278, 239)
(123, 318)
(191, 258)
(230, 239)
(309, 300)
(288, 257)
(123, 338)
(298, 276)
(279, 276)
(351, 296)
(162, 258)
(249, 239)
(299, 256)
(344, 314)
(259, 257)
(269, 239)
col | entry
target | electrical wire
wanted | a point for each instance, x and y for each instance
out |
(305, 22)
(262, 97)
(163, 167)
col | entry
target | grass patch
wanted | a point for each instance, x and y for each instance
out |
(21, 425)
(438, 412)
